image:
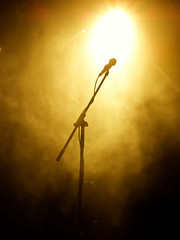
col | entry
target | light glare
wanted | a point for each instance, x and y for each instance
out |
(113, 37)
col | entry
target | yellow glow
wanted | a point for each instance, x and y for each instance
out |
(113, 37)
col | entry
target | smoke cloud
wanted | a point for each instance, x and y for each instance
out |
(131, 143)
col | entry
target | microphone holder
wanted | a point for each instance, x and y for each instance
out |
(81, 123)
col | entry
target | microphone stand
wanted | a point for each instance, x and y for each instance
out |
(81, 124)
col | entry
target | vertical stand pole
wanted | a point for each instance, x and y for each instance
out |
(81, 178)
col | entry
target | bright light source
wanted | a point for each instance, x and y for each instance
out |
(113, 37)
(83, 30)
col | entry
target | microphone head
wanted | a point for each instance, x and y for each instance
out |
(112, 61)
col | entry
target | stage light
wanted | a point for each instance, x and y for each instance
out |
(113, 37)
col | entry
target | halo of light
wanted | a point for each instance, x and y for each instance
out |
(113, 37)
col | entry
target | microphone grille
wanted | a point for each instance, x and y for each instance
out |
(112, 61)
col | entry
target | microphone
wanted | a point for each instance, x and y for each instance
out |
(111, 63)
